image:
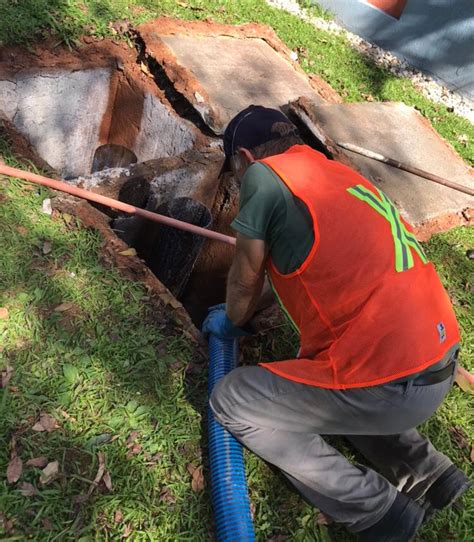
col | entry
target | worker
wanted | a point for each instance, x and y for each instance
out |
(378, 336)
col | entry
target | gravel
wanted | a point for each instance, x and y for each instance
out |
(428, 86)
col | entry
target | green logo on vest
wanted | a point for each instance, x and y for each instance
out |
(404, 240)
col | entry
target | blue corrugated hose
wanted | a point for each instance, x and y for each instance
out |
(230, 500)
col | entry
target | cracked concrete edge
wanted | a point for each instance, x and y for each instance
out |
(187, 84)
(302, 108)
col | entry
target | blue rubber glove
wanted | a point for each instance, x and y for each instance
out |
(219, 324)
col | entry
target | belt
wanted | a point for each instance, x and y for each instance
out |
(435, 373)
(435, 377)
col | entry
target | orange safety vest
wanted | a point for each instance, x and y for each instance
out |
(368, 305)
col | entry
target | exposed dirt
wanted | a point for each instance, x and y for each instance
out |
(208, 282)
(442, 223)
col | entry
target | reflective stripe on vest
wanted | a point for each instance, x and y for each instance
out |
(403, 239)
(368, 305)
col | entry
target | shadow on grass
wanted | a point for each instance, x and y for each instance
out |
(128, 377)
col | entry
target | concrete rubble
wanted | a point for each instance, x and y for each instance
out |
(399, 132)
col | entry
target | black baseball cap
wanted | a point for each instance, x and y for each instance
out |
(254, 126)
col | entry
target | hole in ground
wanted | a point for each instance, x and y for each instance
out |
(83, 120)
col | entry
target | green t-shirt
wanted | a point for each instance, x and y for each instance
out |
(269, 211)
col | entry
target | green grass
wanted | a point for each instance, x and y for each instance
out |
(354, 76)
(130, 375)
(106, 368)
(103, 369)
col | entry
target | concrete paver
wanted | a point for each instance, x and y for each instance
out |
(400, 132)
(222, 69)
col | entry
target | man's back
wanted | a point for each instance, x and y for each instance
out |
(369, 306)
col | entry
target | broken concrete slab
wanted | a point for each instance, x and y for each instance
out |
(221, 69)
(400, 132)
(193, 174)
(67, 107)
(60, 111)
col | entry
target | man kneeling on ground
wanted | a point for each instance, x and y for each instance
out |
(379, 338)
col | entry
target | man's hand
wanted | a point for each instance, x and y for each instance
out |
(246, 277)
(218, 323)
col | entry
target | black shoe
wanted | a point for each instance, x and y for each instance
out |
(399, 524)
(447, 489)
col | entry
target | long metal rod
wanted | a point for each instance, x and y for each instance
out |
(114, 204)
(406, 167)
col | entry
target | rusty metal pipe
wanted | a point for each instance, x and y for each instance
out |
(114, 204)
(406, 167)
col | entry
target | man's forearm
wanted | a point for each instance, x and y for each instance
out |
(242, 295)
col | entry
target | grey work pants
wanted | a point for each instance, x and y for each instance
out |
(281, 421)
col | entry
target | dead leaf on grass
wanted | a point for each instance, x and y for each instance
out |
(14, 469)
(68, 416)
(131, 438)
(3, 313)
(118, 517)
(7, 374)
(197, 482)
(80, 499)
(50, 472)
(154, 459)
(5, 523)
(40, 462)
(21, 230)
(64, 307)
(472, 452)
(107, 480)
(167, 496)
(135, 449)
(46, 423)
(127, 531)
(465, 380)
(46, 522)
(99, 475)
(27, 489)
(458, 436)
(47, 248)
(119, 27)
